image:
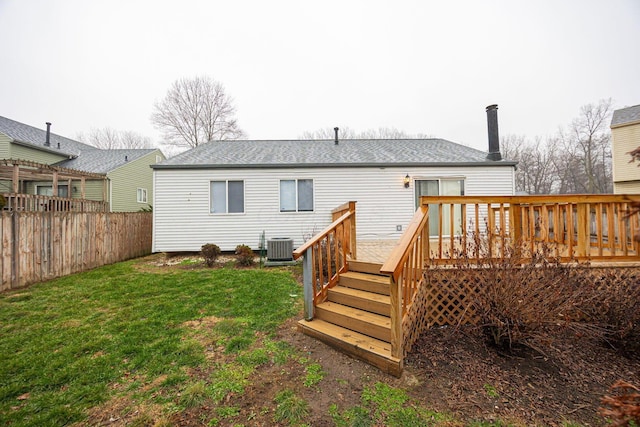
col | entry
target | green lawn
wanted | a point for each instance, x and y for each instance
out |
(68, 344)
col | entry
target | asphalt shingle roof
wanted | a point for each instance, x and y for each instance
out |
(325, 153)
(103, 161)
(626, 115)
(36, 137)
(81, 156)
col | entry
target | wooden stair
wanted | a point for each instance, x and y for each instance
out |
(355, 317)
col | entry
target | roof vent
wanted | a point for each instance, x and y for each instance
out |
(336, 129)
(47, 141)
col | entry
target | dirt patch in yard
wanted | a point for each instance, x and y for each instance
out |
(452, 373)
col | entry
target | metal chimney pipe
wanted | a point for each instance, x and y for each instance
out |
(47, 141)
(336, 129)
(494, 139)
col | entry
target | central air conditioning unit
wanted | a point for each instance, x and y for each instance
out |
(280, 249)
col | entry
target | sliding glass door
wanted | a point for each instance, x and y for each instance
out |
(444, 187)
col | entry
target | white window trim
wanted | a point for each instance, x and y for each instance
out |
(439, 179)
(226, 206)
(142, 191)
(51, 186)
(313, 188)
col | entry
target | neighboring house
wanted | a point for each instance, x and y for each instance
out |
(625, 137)
(229, 192)
(121, 177)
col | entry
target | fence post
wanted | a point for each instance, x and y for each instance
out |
(308, 286)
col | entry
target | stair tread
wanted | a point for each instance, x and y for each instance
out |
(381, 298)
(366, 277)
(357, 314)
(352, 338)
(365, 267)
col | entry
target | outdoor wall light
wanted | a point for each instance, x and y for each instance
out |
(407, 181)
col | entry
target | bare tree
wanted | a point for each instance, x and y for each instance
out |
(107, 138)
(535, 173)
(195, 111)
(586, 151)
(348, 133)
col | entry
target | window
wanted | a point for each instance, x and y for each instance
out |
(142, 195)
(296, 195)
(444, 187)
(47, 190)
(227, 196)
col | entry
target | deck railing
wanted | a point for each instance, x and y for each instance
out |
(39, 203)
(405, 267)
(326, 256)
(566, 227)
(446, 228)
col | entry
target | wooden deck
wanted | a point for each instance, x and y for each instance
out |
(355, 318)
(360, 295)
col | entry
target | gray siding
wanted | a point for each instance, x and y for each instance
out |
(182, 221)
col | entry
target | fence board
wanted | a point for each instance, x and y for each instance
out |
(37, 246)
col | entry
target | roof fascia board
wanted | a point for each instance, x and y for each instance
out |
(45, 149)
(334, 165)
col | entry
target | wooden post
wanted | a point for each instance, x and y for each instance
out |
(584, 235)
(16, 179)
(308, 285)
(352, 233)
(397, 340)
(55, 183)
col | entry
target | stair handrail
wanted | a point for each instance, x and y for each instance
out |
(405, 266)
(326, 256)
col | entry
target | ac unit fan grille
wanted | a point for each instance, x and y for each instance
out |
(280, 249)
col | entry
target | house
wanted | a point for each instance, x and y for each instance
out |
(121, 177)
(229, 192)
(625, 137)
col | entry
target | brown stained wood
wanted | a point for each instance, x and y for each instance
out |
(365, 282)
(365, 267)
(361, 347)
(302, 249)
(364, 322)
(363, 300)
(39, 246)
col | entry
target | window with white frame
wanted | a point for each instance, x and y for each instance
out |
(47, 190)
(227, 197)
(296, 195)
(142, 195)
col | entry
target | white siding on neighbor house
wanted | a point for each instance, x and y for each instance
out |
(182, 221)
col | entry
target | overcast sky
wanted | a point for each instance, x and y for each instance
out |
(426, 67)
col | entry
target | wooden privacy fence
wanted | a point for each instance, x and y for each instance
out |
(39, 246)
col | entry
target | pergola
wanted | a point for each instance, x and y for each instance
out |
(18, 171)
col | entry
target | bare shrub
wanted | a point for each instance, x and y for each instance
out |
(245, 256)
(623, 408)
(613, 305)
(210, 253)
(518, 297)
